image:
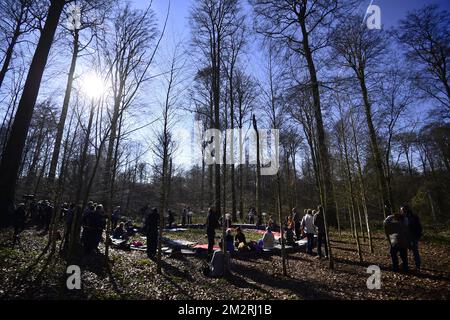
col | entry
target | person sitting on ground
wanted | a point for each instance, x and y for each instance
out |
(229, 240)
(218, 261)
(239, 238)
(307, 227)
(397, 234)
(268, 239)
(290, 231)
(119, 232)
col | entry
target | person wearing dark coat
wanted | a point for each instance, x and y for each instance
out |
(115, 217)
(415, 233)
(397, 233)
(48, 214)
(171, 215)
(239, 237)
(184, 214)
(94, 222)
(151, 227)
(321, 235)
(19, 220)
(212, 222)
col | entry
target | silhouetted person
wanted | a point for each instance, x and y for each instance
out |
(397, 233)
(171, 216)
(115, 217)
(151, 231)
(415, 233)
(184, 214)
(239, 237)
(212, 222)
(94, 223)
(19, 221)
(319, 222)
(120, 232)
(47, 215)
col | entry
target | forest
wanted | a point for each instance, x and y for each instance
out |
(148, 144)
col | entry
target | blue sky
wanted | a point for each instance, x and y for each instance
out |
(179, 30)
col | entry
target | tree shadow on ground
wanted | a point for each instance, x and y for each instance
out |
(240, 282)
(365, 264)
(170, 271)
(302, 288)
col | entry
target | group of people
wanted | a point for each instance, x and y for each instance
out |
(403, 230)
(186, 216)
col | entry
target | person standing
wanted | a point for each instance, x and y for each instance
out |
(397, 234)
(19, 221)
(212, 222)
(307, 226)
(151, 227)
(297, 220)
(184, 214)
(115, 217)
(190, 215)
(93, 225)
(171, 217)
(321, 235)
(415, 232)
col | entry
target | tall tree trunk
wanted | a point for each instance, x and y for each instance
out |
(361, 183)
(9, 51)
(351, 195)
(65, 108)
(84, 153)
(12, 156)
(324, 162)
(384, 190)
(258, 172)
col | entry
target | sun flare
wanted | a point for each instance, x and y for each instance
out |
(93, 86)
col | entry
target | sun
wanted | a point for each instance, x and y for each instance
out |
(93, 85)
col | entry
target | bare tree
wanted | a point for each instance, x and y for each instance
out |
(11, 158)
(165, 145)
(92, 14)
(304, 27)
(425, 35)
(213, 21)
(360, 49)
(16, 22)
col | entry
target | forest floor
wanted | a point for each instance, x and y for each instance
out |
(131, 275)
